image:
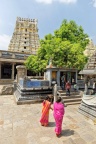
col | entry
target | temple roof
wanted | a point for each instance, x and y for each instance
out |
(88, 72)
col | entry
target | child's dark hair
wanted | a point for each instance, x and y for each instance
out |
(59, 99)
(46, 98)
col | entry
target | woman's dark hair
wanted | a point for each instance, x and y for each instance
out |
(48, 98)
(59, 99)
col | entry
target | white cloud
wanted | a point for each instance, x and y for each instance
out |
(94, 3)
(45, 1)
(61, 1)
(4, 41)
(68, 1)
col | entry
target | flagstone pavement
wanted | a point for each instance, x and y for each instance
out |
(19, 124)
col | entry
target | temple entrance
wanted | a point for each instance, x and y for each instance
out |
(6, 71)
(68, 76)
(73, 77)
(65, 77)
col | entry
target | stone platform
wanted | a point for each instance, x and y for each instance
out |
(74, 98)
(88, 106)
(31, 91)
(88, 110)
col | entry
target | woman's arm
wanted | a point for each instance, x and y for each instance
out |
(43, 102)
(51, 107)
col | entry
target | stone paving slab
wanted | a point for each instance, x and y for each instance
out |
(19, 124)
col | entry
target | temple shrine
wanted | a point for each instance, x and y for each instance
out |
(88, 104)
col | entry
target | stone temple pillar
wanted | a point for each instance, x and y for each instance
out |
(58, 78)
(76, 77)
(55, 93)
(0, 70)
(21, 72)
(13, 71)
(86, 84)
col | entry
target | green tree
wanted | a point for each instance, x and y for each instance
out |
(32, 63)
(65, 48)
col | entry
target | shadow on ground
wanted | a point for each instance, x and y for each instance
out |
(67, 132)
(51, 124)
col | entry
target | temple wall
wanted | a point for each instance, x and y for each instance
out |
(8, 62)
(6, 81)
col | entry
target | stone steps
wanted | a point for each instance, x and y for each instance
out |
(72, 103)
(71, 93)
(23, 100)
(73, 99)
(29, 102)
(71, 96)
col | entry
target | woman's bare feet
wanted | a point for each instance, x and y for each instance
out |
(57, 135)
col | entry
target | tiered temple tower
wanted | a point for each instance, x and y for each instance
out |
(25, 37)
(90, 49)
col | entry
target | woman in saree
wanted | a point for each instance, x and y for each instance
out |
(58, 113)
(45, 112)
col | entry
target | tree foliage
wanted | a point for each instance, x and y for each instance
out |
(65, 48)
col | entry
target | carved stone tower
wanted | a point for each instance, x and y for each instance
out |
(25, 37)
(90, 49)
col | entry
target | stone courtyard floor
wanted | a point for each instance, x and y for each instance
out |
(19, 124)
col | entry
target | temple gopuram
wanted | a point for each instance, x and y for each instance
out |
(24, 42)
(25, 37)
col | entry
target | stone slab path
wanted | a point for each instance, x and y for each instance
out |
(19, 124)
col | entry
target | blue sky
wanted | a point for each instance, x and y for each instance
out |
(50, 14)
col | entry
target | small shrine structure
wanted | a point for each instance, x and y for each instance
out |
(89, 72)
(54, 74)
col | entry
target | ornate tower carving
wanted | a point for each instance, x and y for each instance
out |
(25, 37)
(90, 49)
